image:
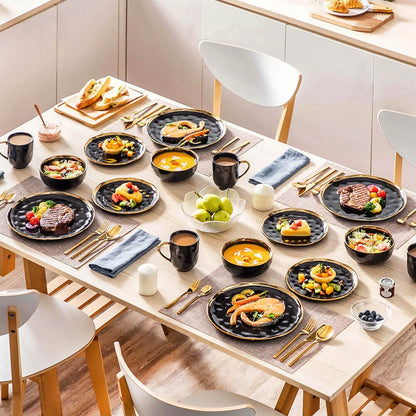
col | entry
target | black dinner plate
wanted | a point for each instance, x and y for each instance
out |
(395, 198)
(102, 195)
(343, 272)
(215, 125)
(221, 302)
(97, 155)
(83, 215)
(318, 226)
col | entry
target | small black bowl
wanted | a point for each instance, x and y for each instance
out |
(178, 175)
(369, 258)
(64, 183)
(246, 271)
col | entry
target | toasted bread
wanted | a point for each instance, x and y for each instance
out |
(336, 6)
(116, 102)
(353, 4)
(114, 92)
(92, 91)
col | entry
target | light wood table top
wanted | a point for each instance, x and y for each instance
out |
(330, 370)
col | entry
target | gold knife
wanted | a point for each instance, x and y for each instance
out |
(318, 188)
(314, 183)
(147, 114)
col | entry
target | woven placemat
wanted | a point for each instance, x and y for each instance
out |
(196, 317)
(205, 154)
(56, 248)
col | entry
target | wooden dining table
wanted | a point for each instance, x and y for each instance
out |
(344, 361)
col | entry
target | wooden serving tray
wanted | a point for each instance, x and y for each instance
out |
(367, 22)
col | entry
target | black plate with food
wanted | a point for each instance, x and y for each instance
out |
(284, 323)
(351, 197)
(172, 127)
(294, 227)
(50, 216)
(122, 149)
(125, 196)
(328, 280)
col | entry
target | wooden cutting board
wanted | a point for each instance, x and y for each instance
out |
(367, 22)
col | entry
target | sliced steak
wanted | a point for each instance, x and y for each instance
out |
(354, 196)
(57, 219)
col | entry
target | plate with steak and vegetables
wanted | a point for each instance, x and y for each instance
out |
(50, 216)
(363, 198)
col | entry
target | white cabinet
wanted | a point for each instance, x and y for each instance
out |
(27, 69)
(228, 24)
(394, 89)
(162, 47)
(333, 109)
(88, 42)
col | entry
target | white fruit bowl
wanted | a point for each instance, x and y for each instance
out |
(188, 207)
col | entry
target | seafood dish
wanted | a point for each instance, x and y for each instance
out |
(293, 228)
(184, 131)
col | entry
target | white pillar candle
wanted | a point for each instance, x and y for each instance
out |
(263, 197)
(147, 279)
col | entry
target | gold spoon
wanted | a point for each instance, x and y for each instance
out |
(131, 117)
(204, 291)
(303, 183)
(325, 333)
(403, 220)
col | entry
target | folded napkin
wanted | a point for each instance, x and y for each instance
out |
(125, 253)
(281, 168)
(1, 174)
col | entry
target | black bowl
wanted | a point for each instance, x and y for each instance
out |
(65, 183)
(369, 258)
(246, 271)
(178, 175)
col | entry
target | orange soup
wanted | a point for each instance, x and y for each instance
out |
(246, 254)
(174, 161)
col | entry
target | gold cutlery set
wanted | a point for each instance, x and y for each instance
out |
(235, 149)
(103, 233)
(404, 220)
(6, 197)
(317, 181)
(143, 114)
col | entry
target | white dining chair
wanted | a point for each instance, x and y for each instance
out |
(256, 77)
(37, 333)
(400, 130)
(136, 397)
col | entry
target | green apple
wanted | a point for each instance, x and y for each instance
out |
(221, 215)
(202, 215)
(211, 203)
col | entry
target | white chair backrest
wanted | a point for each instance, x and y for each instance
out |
(147, 403)
(26, 302)
(400, 130)
(259, 78)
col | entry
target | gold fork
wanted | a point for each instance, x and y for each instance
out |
(145, 120)
(305, 331)
(226, 145)
(133, 115)
(9, 198)
(147, 114)
(303, 183)
(191, 289)
(238, 148)
(3, 195)
(318, 188)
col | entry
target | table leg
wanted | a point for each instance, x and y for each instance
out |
(7, 261)
(358, 382)
(310, 404)
(35, 276)
(286, 398)
(338, 406)
(50, 397)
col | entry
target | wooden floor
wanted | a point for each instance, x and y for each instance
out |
(184, 366)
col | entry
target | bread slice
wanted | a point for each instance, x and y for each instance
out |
(114, 92)
(353, 4)
(92, 91)
(336, 6)
(116, 102)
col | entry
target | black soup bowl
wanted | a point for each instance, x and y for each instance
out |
(68, 180)
(246, 257)
(369, 258)
(173, 155)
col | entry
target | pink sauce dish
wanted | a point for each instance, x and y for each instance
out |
(50, 133)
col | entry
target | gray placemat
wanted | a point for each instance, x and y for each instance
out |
(205, 154)
(196, 317)
(400, 232)
(56, 248)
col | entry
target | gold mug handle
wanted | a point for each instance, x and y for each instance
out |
(160, 251)
(4, 141)
(248, 167)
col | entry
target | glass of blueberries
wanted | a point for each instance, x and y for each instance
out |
(371, 314)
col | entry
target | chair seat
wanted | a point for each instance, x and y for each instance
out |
(55, 332)
(218, 398)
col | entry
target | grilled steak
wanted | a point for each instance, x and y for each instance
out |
(57, 219)
(354, 196)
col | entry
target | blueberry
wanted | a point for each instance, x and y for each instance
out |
(367, 312)
(364, 318)
(374, 313)
(379, 317)
(370, 319)
(130, 191)
(360, 315)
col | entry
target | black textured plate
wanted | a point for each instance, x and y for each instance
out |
(215, 125)
(395, 198)
(96, 155)
(221, 302)
(318, 226)
(83, 210)
(343, 272)
(102, 195)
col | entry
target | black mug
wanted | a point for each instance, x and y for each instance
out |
(184, 249)
(411, 261)
(19, 149)
(225, 169)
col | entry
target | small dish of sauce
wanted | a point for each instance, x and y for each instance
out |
(49, 133)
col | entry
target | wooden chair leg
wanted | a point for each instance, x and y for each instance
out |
(96, 368)
(286, 399)
(338, 406)
(35, 276)
(7, 261)
(310, 404)
(216, 108)
(49, 394)
(126, 402)
(359, 381)
(398, 168)
(4, 391)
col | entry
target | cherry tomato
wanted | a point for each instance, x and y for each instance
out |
(294, 226)
(129, 185)
(135, 188)
(29, 215)
(372, 188)
(381, 193)
(361, 248)
(34, 220)
(298, 223)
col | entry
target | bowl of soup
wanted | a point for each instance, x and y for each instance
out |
(246, 257)
(173, 164)
(62, 172)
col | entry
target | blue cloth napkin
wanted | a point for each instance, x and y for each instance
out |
(281, 168)
(125, 253)
(1, 174)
